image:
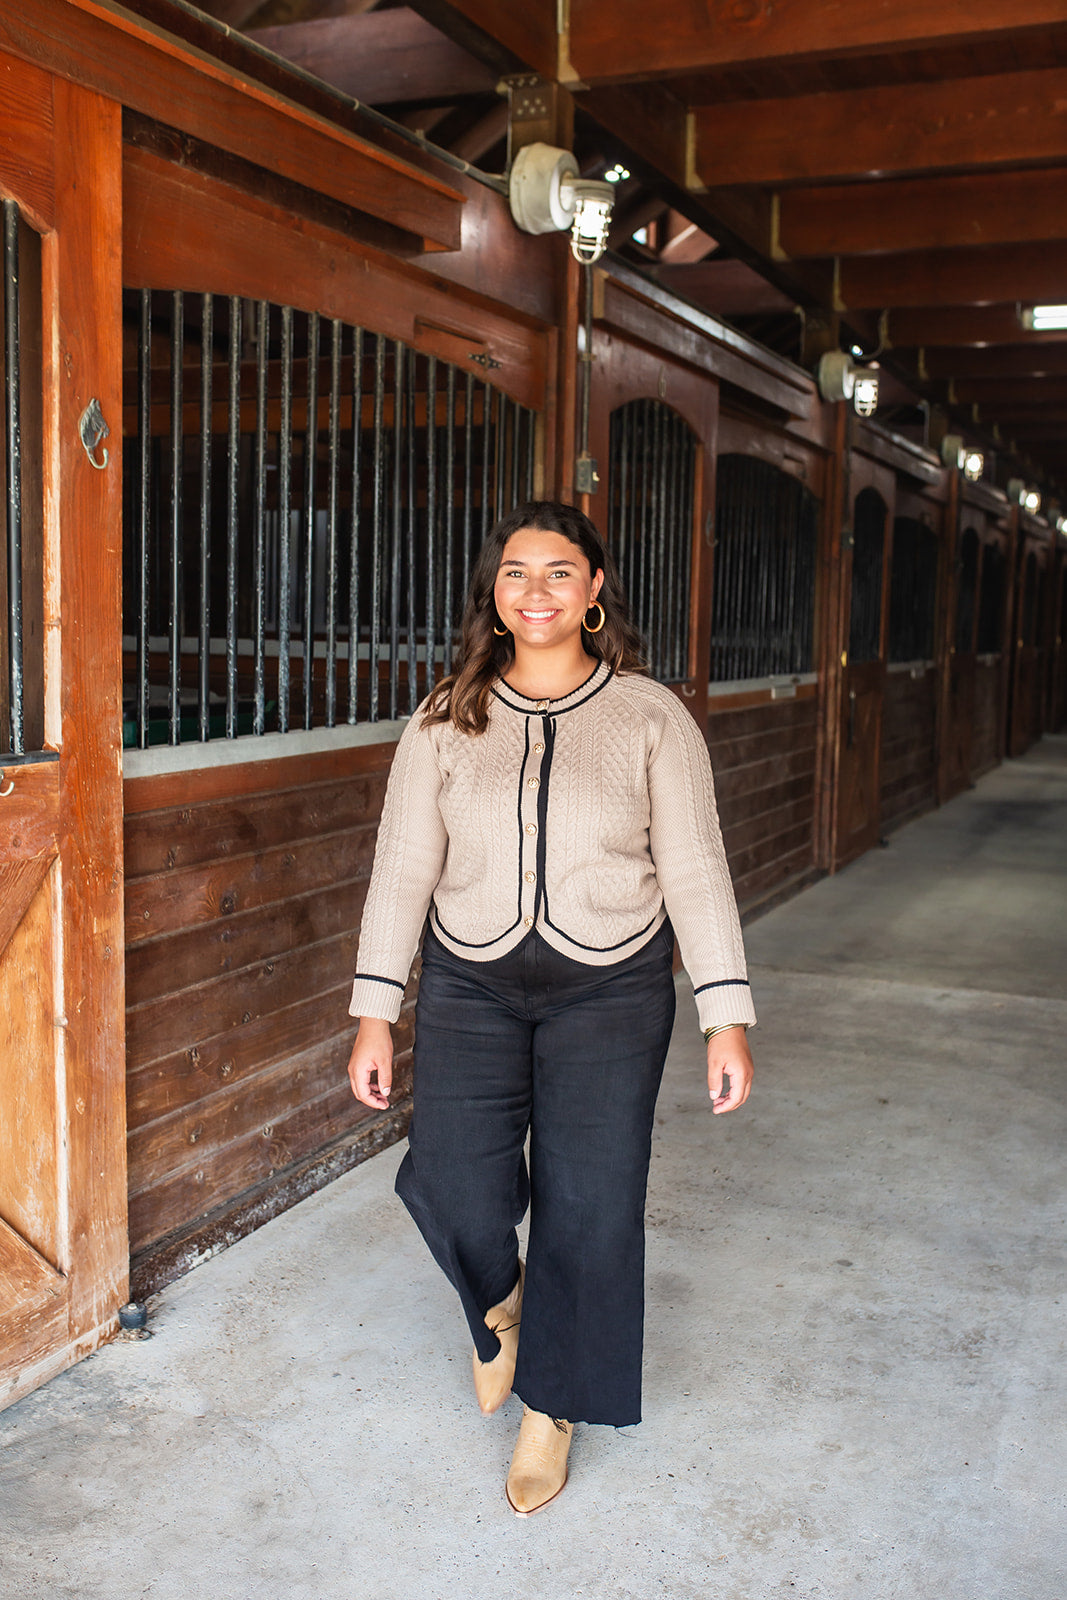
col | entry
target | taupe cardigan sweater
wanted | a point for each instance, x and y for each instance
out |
(590, 818)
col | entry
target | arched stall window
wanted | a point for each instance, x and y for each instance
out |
(865, 616)
(766, 532)
(653, 454)
(991, 602)
(966, 593)
(913, 591)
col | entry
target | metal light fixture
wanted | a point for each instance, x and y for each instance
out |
(1032, 502)
(1028, 498)
(973, 465)
(954, 453)
(547, 195)
(839, 378)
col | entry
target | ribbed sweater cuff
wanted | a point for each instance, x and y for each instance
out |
(376, 997)
(723, 1004)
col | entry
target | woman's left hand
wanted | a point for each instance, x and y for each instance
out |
(729, 1058)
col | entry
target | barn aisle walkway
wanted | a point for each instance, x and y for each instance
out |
(855, 1365)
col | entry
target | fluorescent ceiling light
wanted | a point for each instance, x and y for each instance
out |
(1044, 319)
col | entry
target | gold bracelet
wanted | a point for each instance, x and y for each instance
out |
(722, 1027)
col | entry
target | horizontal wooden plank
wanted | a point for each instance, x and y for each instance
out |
(188, 896)
(188, 231)
(753, 885)
(181, 960)
(194, 1134)
(734, 812)
(770, 824)
(738, 782)
(237, 1167)
(767, 719)
(744, 748)
(222, 1005)
(190, 1075)
(217, 781)
(785, 846)
(27, 132)
(628, 39)
(114, 52)
(162, 841)
(1012, 118)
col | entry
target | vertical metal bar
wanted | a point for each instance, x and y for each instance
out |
(516, 422)
(233, 464)
(531, 453)
(331, 523)
(468, 477)
(397, 529)
(177, 357)
(500, 475)
(207, 334)
(487, 422)
(431, 522)
(448, 620)
(378, 522)
(144, 504)
(259, 562)
(411, 539)
(623, 422)
(355, 525)
(311, 450)
(285, 494)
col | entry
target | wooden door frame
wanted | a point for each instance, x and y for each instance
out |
(78, 209)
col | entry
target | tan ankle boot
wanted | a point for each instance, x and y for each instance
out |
(492, 1379)
(539, 1466)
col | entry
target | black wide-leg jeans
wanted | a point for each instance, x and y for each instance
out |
(537, 1042)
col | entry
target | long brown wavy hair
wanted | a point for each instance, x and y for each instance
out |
(463, 697)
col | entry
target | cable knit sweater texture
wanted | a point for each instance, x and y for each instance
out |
(590, 818)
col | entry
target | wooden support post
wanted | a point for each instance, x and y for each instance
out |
(830, 630)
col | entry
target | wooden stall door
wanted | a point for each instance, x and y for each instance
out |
(63, 1251)
(863, 657)
(1024, 717)
(958, 734)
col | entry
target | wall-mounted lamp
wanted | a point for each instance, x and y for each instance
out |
(954, 453)
(839, 378)
(1029, 499)
(1044, 319)
(548, 196)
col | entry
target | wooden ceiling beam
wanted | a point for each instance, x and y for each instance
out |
(996, 361)
(962, 325)
(982, 208)
(1010, 392)
(381, 58)
(612, 40)
(506, 36)
(1000, 275)
(1015, 117)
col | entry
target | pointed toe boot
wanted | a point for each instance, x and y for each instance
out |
(539, 1466)
(492, 1379)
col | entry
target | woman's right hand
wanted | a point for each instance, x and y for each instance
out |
(372, 1053)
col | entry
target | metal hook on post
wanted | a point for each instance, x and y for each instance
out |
(93, 431)
(5, 788)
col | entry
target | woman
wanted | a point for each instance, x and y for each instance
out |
(552, 809)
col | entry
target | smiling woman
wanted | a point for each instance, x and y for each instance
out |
(552, 809)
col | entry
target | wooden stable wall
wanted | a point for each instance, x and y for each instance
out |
(909, 743)
(243, 900)
(764, 760)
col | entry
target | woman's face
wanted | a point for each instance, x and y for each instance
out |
(544, 588)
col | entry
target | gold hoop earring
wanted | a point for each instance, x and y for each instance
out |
(501, 633)
(596, 606)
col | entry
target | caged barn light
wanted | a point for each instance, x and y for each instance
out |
(839, 378)
(547, 195)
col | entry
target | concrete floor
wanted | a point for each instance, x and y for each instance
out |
(855, 1372)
